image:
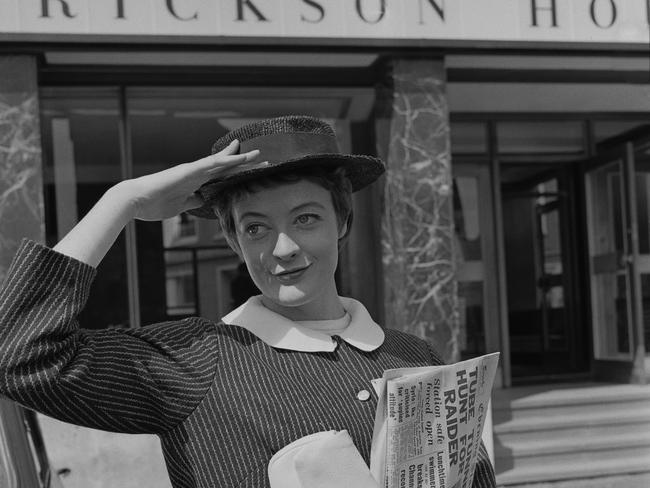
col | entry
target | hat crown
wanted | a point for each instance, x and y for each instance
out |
(290, 143)
(289, 124)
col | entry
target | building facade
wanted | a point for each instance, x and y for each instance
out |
(514, 215)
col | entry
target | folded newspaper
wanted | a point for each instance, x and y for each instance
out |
(429, 423)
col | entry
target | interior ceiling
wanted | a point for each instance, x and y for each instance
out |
(176, 124)
(548, 62)
(185, 58)
(354, 104)
(514, 173)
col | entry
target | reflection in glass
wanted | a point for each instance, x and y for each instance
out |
(185, 262)
(552, 137)
(642, 185)
(181, 229)
(607, 248)
(468, 137)
(471, 312)
(611, 310)
(604, 129)
(551, 279)
(606, 210)
(179, 283)
(537, 246)
(466, 218)
(645, 292)
(182, 259)
(81, 149)
(642, 179)
(469, 266)
(622, 318)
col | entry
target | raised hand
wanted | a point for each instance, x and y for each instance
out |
(152, 197)
(172, 191)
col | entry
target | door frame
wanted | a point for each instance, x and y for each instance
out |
(488, 268)
(566, 172)
(621, 149)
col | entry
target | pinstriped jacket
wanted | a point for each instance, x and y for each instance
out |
(220, 399)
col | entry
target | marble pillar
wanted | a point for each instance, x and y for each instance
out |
(21, 189)
(420, 293)
(21, 215)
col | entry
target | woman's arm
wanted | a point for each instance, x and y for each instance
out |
(152, 197)
(129, 380)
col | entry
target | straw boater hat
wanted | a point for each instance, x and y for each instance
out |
(289, 143)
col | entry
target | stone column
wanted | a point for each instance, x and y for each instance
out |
(21, 215)
(417, 225)
(21, 188)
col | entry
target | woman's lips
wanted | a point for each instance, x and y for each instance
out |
(290, 276)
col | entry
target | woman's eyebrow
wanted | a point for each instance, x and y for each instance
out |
(251, 214)
(307, 204)
(297, 208)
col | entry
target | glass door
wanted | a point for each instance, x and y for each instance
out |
(185, 261)
(474, 251)
(641, 154)
(546, 337)
(551, 280)
(614, 274)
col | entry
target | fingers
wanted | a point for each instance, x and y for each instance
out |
(252, 155)
(231, 150)
(222, 163)
(223, 159)
(193, 201)
(233, 167)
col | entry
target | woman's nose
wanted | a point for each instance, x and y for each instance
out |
(285, 247)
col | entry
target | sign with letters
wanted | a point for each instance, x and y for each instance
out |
(564, 21)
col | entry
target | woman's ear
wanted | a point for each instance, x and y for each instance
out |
(343, 230)
(234, 245)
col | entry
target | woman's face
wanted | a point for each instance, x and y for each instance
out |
(288, 237)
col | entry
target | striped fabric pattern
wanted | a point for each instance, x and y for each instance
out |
(221, 400)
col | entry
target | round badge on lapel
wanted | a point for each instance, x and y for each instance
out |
(363, 395)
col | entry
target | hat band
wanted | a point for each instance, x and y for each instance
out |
(276, 148)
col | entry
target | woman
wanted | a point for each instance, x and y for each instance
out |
(224, 398)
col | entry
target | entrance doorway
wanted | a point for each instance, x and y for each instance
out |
(617, 185)
(546, 335)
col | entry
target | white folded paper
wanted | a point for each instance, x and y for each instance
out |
(323, 460)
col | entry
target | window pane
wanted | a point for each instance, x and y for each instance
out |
(642, 186)
(610, 128)
(612, 315)
(551, 137)
(467, 218)
(645, 292)
(179, 283)
(82, 160)
(610, 294)
(185, 262)
(470, 267)
(471, 303)
(468, 138)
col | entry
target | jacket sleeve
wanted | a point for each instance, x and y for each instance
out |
(484, 472)
(484, 476)
(125, 380)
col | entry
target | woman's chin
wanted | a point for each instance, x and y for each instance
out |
(291, 296)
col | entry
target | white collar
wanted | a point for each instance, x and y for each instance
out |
(282, 333)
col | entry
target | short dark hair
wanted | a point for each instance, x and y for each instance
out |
(334, 181)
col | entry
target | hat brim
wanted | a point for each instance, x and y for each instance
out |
(361, 170)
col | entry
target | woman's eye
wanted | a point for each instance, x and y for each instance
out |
(254, 230)
(306, 219)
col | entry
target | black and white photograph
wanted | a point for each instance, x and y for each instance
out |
(325, 243)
